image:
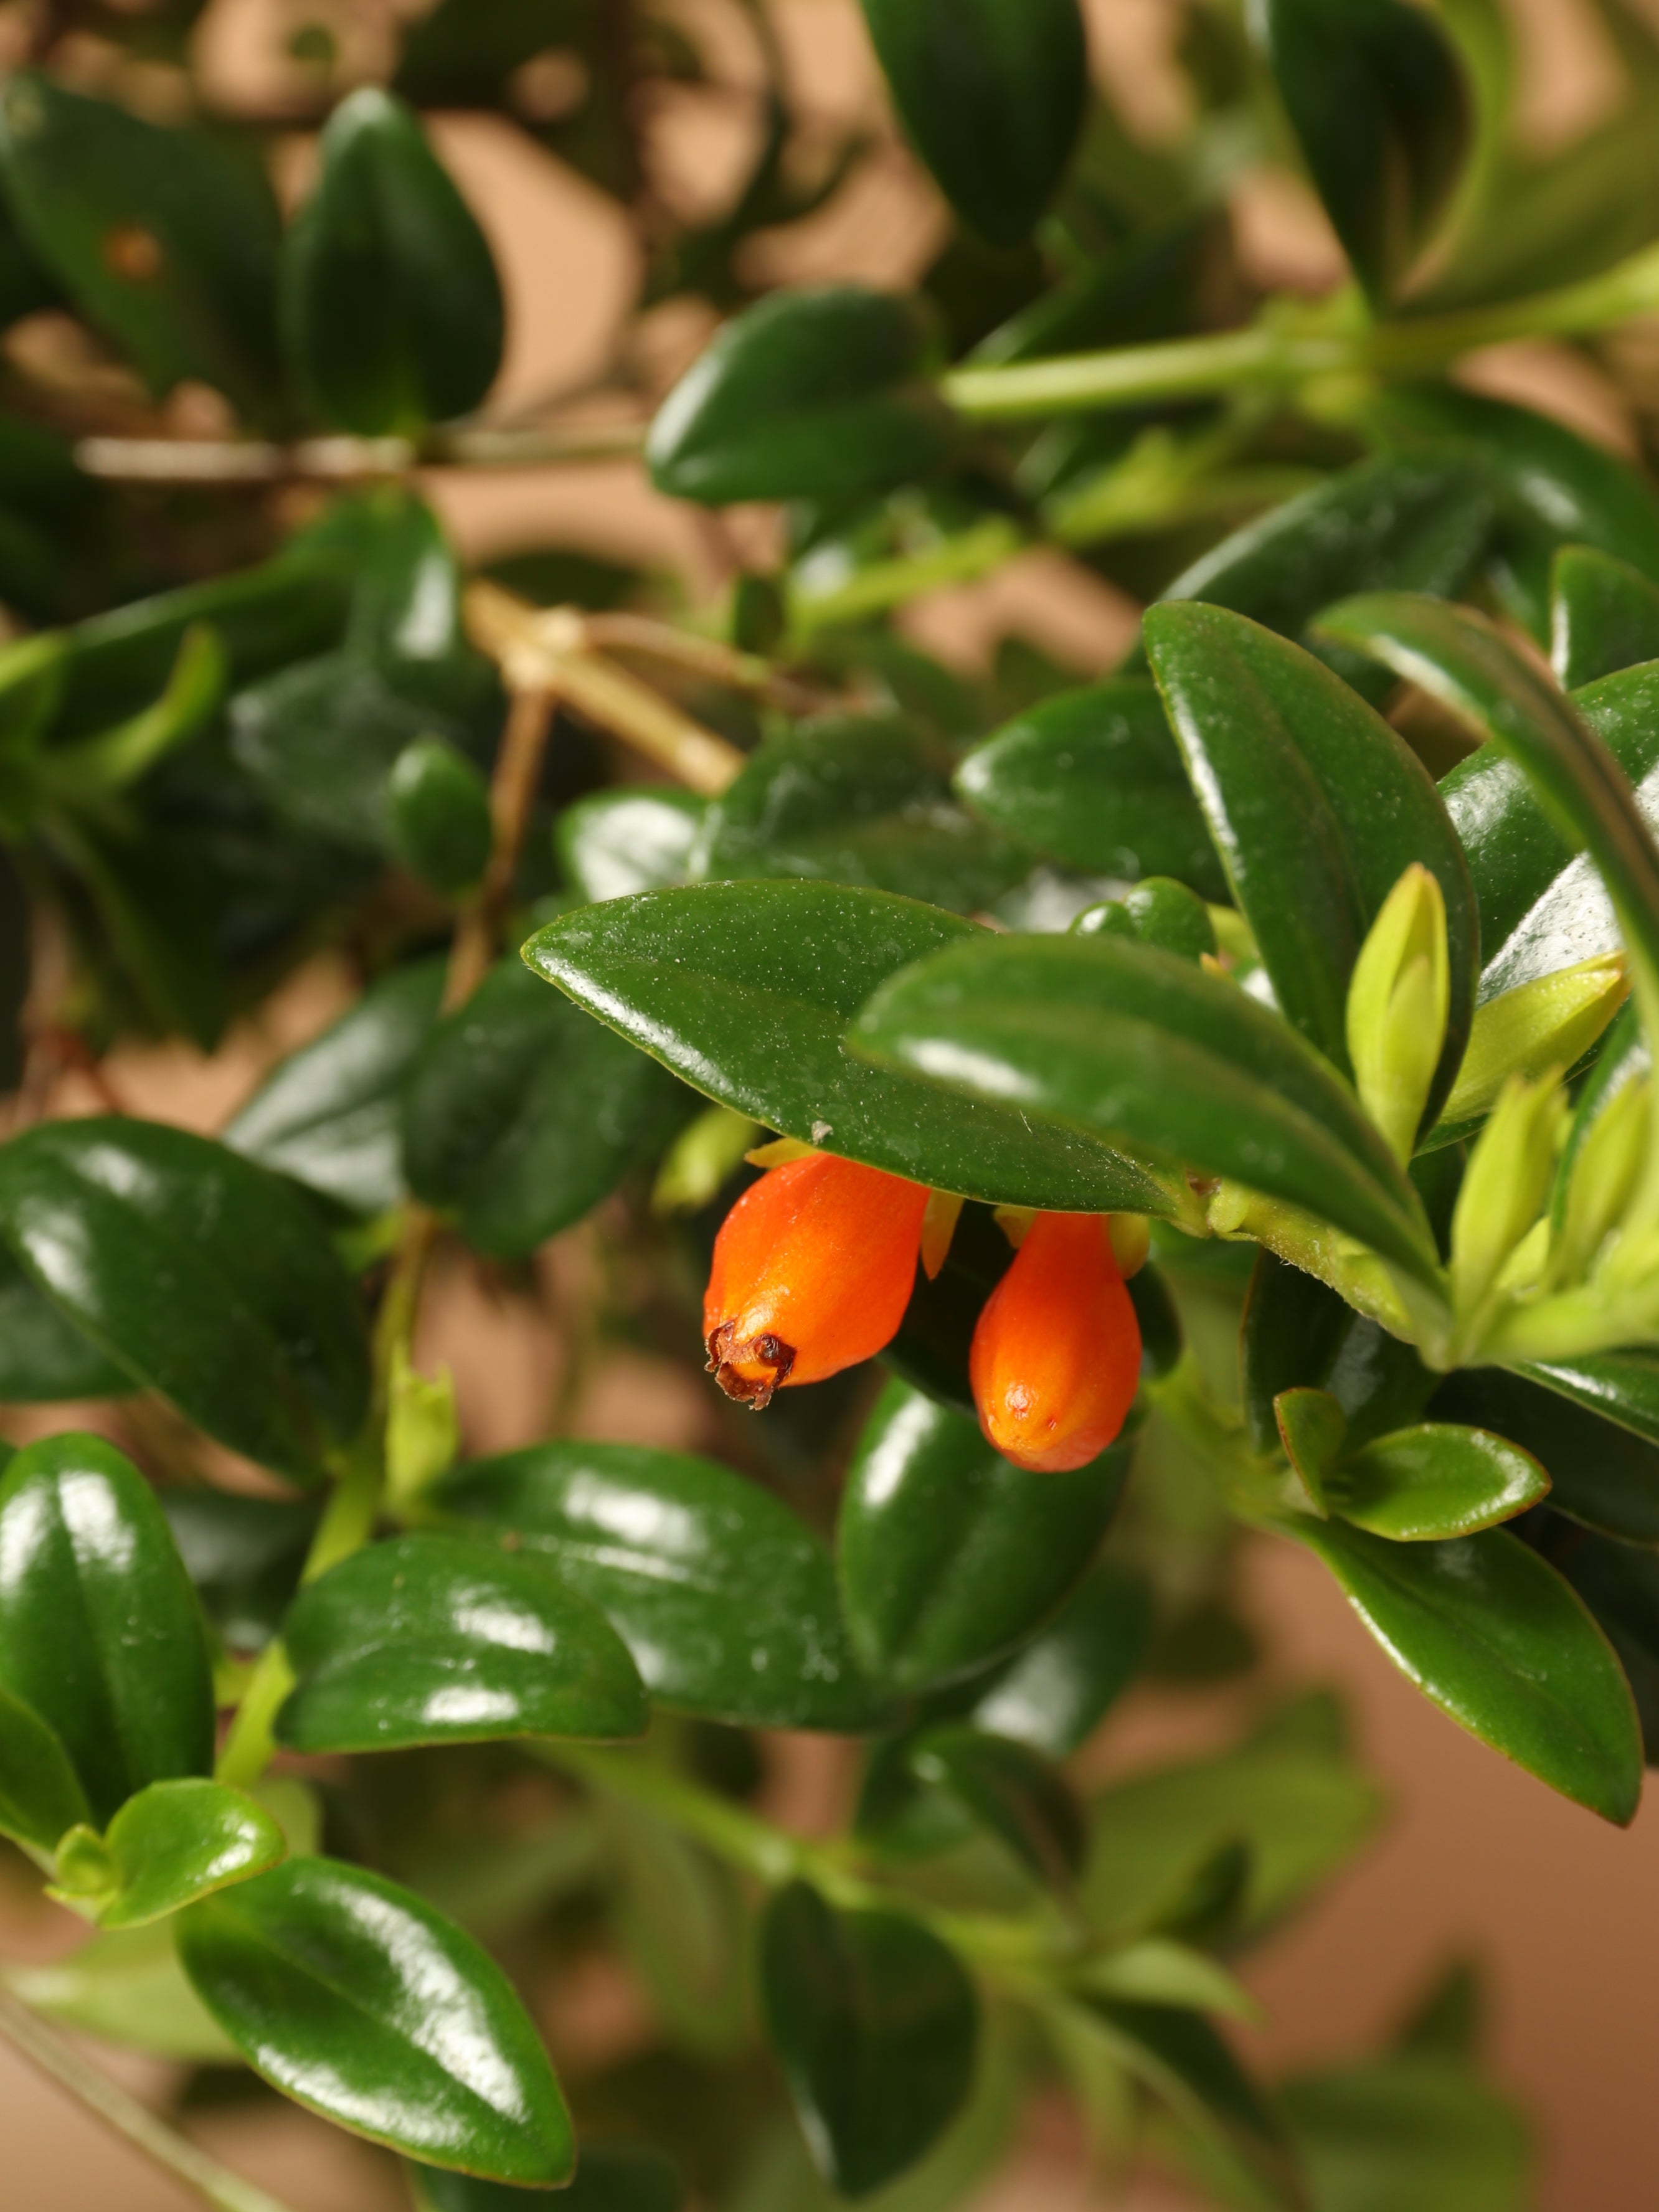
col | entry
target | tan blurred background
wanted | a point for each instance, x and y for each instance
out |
(1563, 1913)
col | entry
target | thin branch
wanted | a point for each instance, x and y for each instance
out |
(699, 656)
(550, 649)
(232, 461)
(513, 788)
(44, 2047)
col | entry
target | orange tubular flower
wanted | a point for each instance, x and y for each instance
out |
(1056, 1356)
(813, 1268)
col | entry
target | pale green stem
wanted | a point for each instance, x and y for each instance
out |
(1273, 352)
(774, 1858)
(44, 2047)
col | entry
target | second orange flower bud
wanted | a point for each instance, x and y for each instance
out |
(1056, 1357)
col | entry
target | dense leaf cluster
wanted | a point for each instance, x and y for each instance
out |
(1317, 943)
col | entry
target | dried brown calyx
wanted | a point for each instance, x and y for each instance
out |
(749, 1369)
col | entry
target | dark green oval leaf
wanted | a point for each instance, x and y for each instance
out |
(1553, 488)
(1092, 779)
(438, 806)
(392, 306)
(356, 1999)
(166, 239)
(41, 1794)
(1540, 908)
(330, 1113)
(807, 394)
(875, 2024)
(992, 92)
(746, 991)
(203, 1276)
(433, 1639)
(725, 1599)
(1145, 1049)
(1009, 1789)
(1305, 786)
(99, 1629)
(1462, 660)
(1620, 1584)
(1054, 1693)
(1396, 522)
(43, 1356)
(1375, 92)
(1493, 1636)
(1604, 616)
(857, 802)
(948, 1554)
(521, 1114)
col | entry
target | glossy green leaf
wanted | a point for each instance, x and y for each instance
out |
(948, 1554)
(1493, 1636)
(1157, 911)
(43, 1356)
(391, 307)
(1583, 1422)
(1303, 785)
(353, 1997)
(875, 2023)
(206, 1278)
(521, 1114)
(638, 838)
(1375, 92)
(805, 394)
(1434, 1481)
(41, 1795)
(746, 991)
(1553, 486)
(857, 801)
(99, 1629)
(1398, 521)
(173, 1843)
(432, 1639)
(1055, 1692)
(992, 95)
(320, 740)
(1300, 1811)
(1412, 2131)
(1542, 909)
(439, 809)
(1604, 616)
(1297, 1333)
(1623, 1055)
(1620, 1584)
(1192, 2074)
(1011, 1790)
(166, 238)
(128, 1989)
(610, 2177)
(1311, 1428)
(726, 1599)
(1144, 1049)
(1093, 780)
(330, 1113)
(1463, 660)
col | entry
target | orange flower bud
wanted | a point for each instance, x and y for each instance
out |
(813, 1268)
(1056, 1356)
